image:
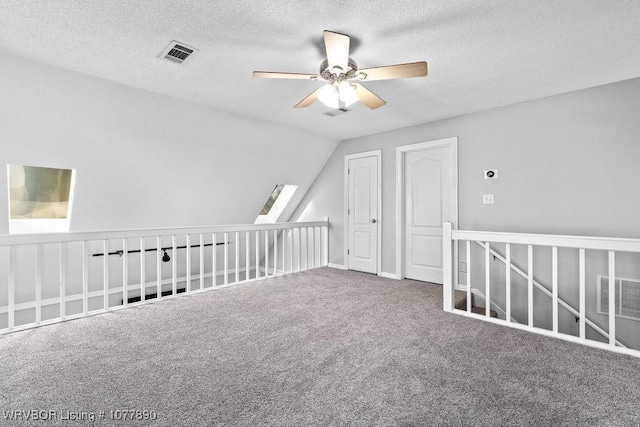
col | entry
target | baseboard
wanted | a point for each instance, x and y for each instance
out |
(388, 275)
(338, 266)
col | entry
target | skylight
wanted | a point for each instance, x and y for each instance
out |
(276, 204)
(39, 199)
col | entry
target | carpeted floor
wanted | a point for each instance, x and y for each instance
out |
(323, 347)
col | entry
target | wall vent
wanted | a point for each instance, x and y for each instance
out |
(178, 52)
(627, 297)
(338, 112)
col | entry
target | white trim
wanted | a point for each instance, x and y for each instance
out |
(388, 275)
(338, 266)
(401, 151)
(560, 336)
(378, 155)
(26, 239)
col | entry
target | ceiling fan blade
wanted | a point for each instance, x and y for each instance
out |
(277, 75)
(337, 47)
(368, 98)
(399, 71)
(308, 100)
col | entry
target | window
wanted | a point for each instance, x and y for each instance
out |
(272, 199)
(39, 199)
(276, 204)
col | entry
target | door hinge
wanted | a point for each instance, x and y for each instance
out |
(347, 251)
(348, 171)
(348, 211)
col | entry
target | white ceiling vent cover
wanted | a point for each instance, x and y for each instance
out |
(627, 297)
(178, 52)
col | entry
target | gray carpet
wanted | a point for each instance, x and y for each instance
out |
(324, 347)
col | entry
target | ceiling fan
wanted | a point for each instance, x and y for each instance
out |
(342, 75)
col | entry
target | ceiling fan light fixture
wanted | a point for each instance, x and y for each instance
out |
(347, 93)
(328, 95)
(342, 76)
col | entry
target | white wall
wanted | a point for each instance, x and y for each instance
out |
(567, 164)
(144, 159)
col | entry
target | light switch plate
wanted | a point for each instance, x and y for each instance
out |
(487, 199)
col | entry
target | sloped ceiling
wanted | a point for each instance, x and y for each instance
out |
(481, 54)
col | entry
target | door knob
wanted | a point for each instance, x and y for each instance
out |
(373, 221)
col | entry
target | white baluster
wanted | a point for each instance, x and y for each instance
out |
(487, 279)
(247, 261)
(582, 308)
(105, 278)
(226, 258)
(507, 273)
(214, 266)
(299, 233)
(554, 288)
(12, 286)
(469, 276)
(237, 253)
(85, 277)
(325, 243)
(612, 298)
(62, 250)
(275, 252)
(143, 269)
(266, 253)
(447, 276)
(174, 266)
(38, 262)
(159, 267)
(530, 284)
(125, 272)
(188, 262)
(201, 243)
(257, 254)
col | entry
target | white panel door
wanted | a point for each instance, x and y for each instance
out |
(428, 196)
(363, 214)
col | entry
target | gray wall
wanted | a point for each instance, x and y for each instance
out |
(568, 164)
(144, 159)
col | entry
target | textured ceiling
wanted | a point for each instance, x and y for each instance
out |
(481, 54)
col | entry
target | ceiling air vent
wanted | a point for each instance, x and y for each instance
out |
(338, 112)
(627, 295)
(178, 52)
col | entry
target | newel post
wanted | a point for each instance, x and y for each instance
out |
(447, 270)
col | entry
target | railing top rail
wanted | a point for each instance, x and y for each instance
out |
(578, 242)
(26, 239)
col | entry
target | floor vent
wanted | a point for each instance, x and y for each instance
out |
(178, 52)
(627, 297)
(338, 112)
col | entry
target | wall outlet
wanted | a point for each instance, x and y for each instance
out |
(490, 174)
(487, 199)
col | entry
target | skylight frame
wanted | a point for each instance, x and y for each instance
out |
(40, 225)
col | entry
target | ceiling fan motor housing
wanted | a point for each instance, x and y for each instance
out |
(337, 74)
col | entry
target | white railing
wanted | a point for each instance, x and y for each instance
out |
(610, 246)
(49, 278)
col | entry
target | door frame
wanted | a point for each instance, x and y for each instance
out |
(378, 155)
(401, 152)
